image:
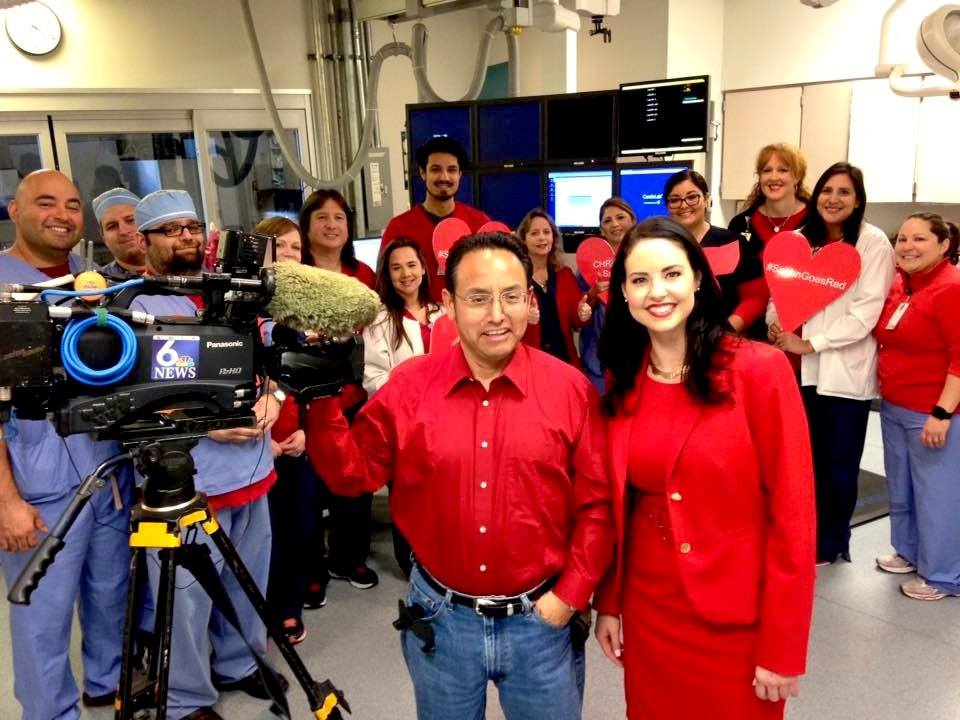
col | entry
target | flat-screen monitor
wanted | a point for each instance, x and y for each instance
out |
(430, 122)
(574, 197)
(580, 127)
(464, 194)
(508, 133)
(509, 196)
(367, 250)
(642, 186)
(666, 116)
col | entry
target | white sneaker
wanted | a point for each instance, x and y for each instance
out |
(895, 563)
(919, 590)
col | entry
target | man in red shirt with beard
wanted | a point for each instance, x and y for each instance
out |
(495, 452)
(440, 161)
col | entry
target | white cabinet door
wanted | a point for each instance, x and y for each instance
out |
(938, 151)
(825, 126)
(883, 140)
(752, 119)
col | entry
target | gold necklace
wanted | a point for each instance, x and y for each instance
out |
(667, 375)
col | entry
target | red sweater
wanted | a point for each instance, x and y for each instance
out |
(917, 355)
(418, 226)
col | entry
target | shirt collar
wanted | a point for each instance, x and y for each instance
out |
(919, 281)
(516, 372)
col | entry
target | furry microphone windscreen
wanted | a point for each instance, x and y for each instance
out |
(308, 298)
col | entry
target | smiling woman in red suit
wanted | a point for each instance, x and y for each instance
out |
(708, 606)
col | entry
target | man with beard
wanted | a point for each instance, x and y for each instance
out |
(39, 474)
(441, 162)
(235, 470)
(114, 210)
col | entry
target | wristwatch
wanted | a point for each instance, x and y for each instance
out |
(280, 395)
(940, 414)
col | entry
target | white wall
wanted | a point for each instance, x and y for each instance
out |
(638, 50)
(186, 44)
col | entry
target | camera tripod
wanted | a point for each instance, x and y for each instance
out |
(169, 508)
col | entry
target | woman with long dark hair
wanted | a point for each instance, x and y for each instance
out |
(838, 354)
(562, 305)
(708, 605)
(326, 223)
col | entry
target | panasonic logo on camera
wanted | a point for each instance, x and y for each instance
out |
(226, 344)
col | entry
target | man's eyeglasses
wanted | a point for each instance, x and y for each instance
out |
(690, 200)
(508, 299)
(172, 231)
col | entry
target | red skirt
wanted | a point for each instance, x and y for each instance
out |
(676, 664)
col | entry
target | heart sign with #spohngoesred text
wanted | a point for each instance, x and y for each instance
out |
(803, 283)
(494, 226)
(723, 259)
(595, 261)
(445, 234)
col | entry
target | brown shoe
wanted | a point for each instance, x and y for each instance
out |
(919, 590)
(895, 563)
(204, 713)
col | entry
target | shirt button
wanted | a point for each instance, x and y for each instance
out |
(483, 529)
(486, 403)
(676, 497)
(483, 568)
(685, 548)
(484, 444)
(483, 485)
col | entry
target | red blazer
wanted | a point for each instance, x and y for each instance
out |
(741, 503)
(568, 298)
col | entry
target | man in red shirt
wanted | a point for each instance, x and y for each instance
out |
(440, 161)
(495, 452)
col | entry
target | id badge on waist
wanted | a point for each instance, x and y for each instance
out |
(897, 315)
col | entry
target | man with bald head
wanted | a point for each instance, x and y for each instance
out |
(114, 210)
(39, 473)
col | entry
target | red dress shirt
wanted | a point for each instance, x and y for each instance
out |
(496, 491)
(418, 226)
(917, 355)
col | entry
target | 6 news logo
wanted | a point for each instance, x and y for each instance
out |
(175, 357)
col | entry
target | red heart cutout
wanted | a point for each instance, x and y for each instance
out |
(723, 259)
(444, 334)
(801, 283)
(595, 261)
(494, 226)
(445, 234)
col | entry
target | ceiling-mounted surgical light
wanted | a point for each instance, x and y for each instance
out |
(938, 41)
(818, 3)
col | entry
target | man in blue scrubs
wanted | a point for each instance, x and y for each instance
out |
(39, 474)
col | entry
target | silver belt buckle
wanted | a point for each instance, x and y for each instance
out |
(488, 603)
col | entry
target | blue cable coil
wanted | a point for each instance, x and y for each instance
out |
(79, 370)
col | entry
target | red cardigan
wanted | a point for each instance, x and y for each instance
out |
(568, 299)
(741, 505)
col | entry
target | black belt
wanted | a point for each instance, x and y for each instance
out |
(495, 607)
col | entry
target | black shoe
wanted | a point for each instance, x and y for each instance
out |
(316, 596)
(252, 685)
(204, 713)
(105, 700)
(360, 577)
(295, 631)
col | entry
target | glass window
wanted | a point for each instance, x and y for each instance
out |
(19, 156)
(252, 178)
(141, 161)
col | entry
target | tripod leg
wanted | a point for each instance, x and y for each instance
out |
(124, 711)
(322, 702)
(163, 630)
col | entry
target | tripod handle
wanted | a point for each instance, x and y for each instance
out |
(35, 569)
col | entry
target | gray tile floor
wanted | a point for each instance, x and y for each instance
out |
(874, 654)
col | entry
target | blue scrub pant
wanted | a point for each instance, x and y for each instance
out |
(197, 626)
(90, 571)
(924, 488)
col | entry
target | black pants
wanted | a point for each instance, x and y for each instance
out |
(295, 503)
(838, 431)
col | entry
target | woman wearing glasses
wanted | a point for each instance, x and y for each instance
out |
(708, 605)
(687, 197)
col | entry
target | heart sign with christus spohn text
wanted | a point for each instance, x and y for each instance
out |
(445, 234)
(802, 283)
(595, 261)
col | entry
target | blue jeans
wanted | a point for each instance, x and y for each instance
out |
(537, 672)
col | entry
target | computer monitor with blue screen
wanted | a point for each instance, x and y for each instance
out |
(452, 122)
(367, 250)
(508, 133)
(507, 197)
(574, 197)
(642, 187)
